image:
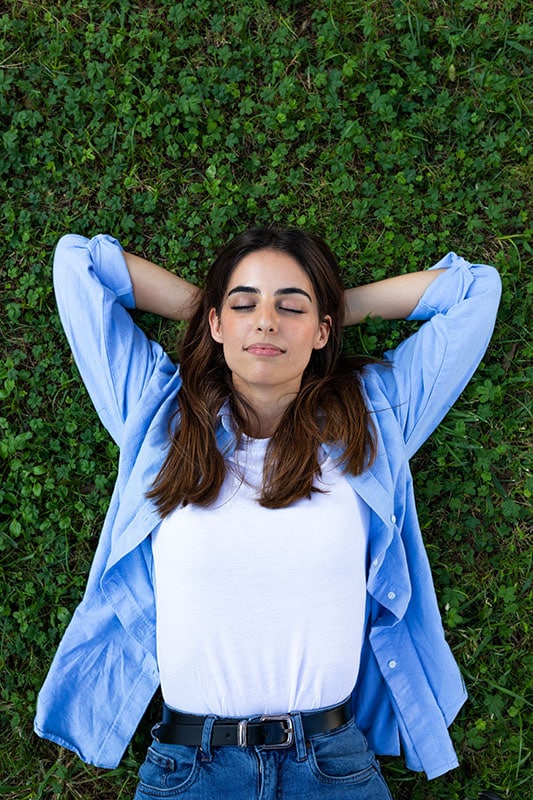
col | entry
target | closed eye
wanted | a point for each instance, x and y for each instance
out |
(251, 306)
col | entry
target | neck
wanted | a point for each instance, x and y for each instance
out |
(267, 410)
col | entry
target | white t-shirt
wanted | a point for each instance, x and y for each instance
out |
(261, 611)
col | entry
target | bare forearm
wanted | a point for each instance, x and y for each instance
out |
(392, 298)
(161, 292)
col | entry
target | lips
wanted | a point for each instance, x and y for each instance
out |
(264, 349)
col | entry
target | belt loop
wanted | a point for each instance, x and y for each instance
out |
(299, 736)
(206, 738)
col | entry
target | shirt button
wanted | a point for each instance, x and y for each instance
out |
(393, 518)
(376, 562)
(391, 595)
(392, 664)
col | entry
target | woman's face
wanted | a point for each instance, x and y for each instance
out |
(269, 324)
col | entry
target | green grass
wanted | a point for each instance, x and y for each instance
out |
(399, 130)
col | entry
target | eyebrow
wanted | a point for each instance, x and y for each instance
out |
(277, 293)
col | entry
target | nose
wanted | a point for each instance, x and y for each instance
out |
(263, 326)
(266, 320)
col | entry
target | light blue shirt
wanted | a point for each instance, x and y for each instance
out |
(105, 670)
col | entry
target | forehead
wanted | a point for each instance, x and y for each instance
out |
(270, 270)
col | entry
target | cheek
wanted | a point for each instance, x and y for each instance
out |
(304, 349)
(231, 333)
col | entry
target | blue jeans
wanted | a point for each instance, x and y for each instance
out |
(328, 766)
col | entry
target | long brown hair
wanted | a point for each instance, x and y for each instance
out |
(329, 407)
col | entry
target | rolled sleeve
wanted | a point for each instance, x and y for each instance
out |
(431, 368)
(110, 266)
(107, 262)
(455, 285)
(115, 358)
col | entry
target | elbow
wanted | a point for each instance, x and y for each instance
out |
(70, 241)
(494, 281)
(490, 288)
(66, 262)
(65, 248)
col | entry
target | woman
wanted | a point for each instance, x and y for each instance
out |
(261, 558)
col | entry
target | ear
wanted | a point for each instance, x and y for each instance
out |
(214, 325)
(324, 329)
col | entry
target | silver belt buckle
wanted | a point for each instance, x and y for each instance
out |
(288, 730)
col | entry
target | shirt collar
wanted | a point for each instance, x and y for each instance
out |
(225, 430)
(225, 418)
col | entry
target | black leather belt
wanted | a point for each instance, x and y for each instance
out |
(269, 731)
